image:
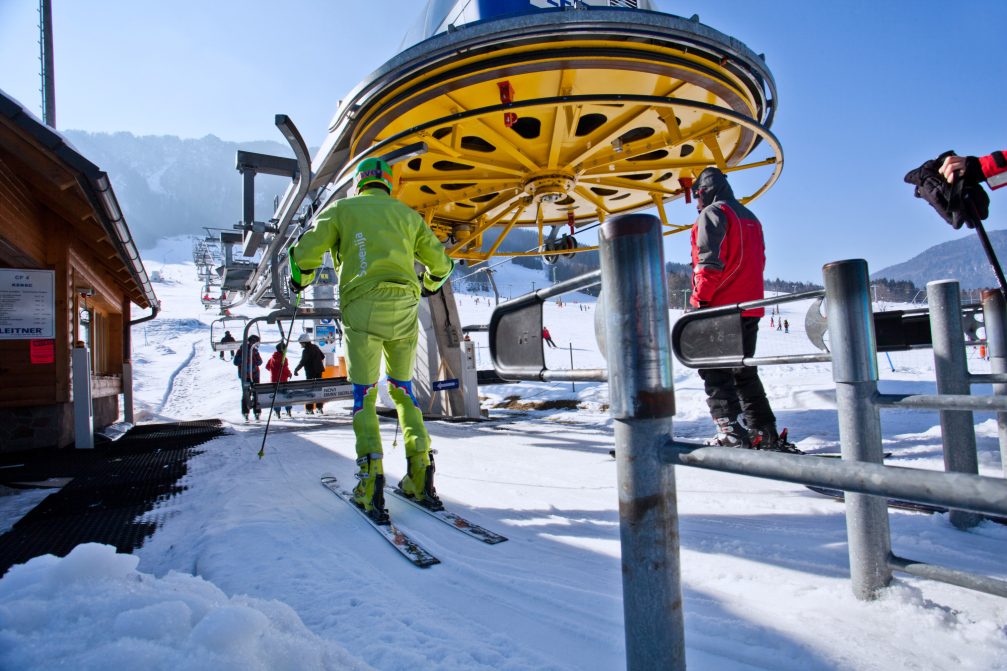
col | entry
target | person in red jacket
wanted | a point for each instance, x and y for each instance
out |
(279, 371)
(547, 337)
(991, 168)
(728, 259)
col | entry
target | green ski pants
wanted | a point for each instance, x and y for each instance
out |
(383, 322)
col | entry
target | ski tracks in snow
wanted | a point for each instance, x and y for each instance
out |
(200, 374)
(171, 379)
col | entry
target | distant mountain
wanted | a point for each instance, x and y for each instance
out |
(963, 260)
(168, 186)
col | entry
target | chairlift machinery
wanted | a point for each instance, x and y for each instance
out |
(550, 115)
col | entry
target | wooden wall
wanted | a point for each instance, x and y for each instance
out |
(34, 236)
(23, 244)
(48, 222)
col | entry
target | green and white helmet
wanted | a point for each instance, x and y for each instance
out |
(373, 170)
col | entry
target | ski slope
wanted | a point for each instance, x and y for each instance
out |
(258, 566)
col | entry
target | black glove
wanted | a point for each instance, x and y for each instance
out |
(702, 304)
(424, 292)
(964, 202)
(299, 279)
(973, 171)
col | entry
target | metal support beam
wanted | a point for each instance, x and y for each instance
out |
(995, 321)
(48, 70)
(951, 367)
(83, 410)
(127, 393)
(977, 493)
(247, 197)
(943, 402)
(950, 576)
(855, 371)
(642, 403)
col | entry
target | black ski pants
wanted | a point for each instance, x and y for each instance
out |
(308, 407)
(733, 391)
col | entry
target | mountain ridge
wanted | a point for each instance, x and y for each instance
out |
(169, 186)
(963, 260)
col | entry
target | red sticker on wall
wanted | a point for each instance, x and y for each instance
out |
(43, 351)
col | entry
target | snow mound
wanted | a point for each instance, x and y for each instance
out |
(94, 610)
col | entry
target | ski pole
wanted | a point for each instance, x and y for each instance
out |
(991, 255)
(279, 376)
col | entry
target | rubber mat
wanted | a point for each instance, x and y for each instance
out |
(112, 488)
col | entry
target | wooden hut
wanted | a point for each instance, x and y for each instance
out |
(69, 274)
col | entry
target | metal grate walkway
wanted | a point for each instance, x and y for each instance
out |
(112, 487)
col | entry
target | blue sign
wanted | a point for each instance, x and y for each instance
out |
(441, 385)
(326, 338)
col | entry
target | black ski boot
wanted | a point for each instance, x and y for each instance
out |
(730, 433)
(766, 438)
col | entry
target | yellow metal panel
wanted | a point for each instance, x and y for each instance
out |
(590, 157)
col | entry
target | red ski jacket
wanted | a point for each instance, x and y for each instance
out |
(728, 256)
(273, 366)
(995, 168)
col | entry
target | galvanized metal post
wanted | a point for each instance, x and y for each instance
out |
(127, 393)
(638, 346)
(48, 71)
(855, 371)
(83, 408)
(995, 321)
(951, 367)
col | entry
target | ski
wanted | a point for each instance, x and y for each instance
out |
(900, 504)
(837, 455)
(453, 520)
(839, 495)
(406, 546)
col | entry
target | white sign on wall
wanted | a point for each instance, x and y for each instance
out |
(27, 304)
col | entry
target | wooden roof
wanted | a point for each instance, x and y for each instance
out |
(77, 191)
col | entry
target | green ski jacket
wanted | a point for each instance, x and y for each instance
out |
(374, 239)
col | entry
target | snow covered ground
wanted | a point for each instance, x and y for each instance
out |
(259, 567)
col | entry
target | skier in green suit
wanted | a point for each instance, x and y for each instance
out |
(375, 241)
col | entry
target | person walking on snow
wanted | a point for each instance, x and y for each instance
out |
(313, 363)
(786, 326)
(279, 371)
(248, 372)
(376, 240)
(728, 259)
(547, 338)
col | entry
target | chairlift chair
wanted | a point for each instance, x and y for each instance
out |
(230, 323)
(260, 395)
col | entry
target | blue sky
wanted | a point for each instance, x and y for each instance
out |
(867, 91)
